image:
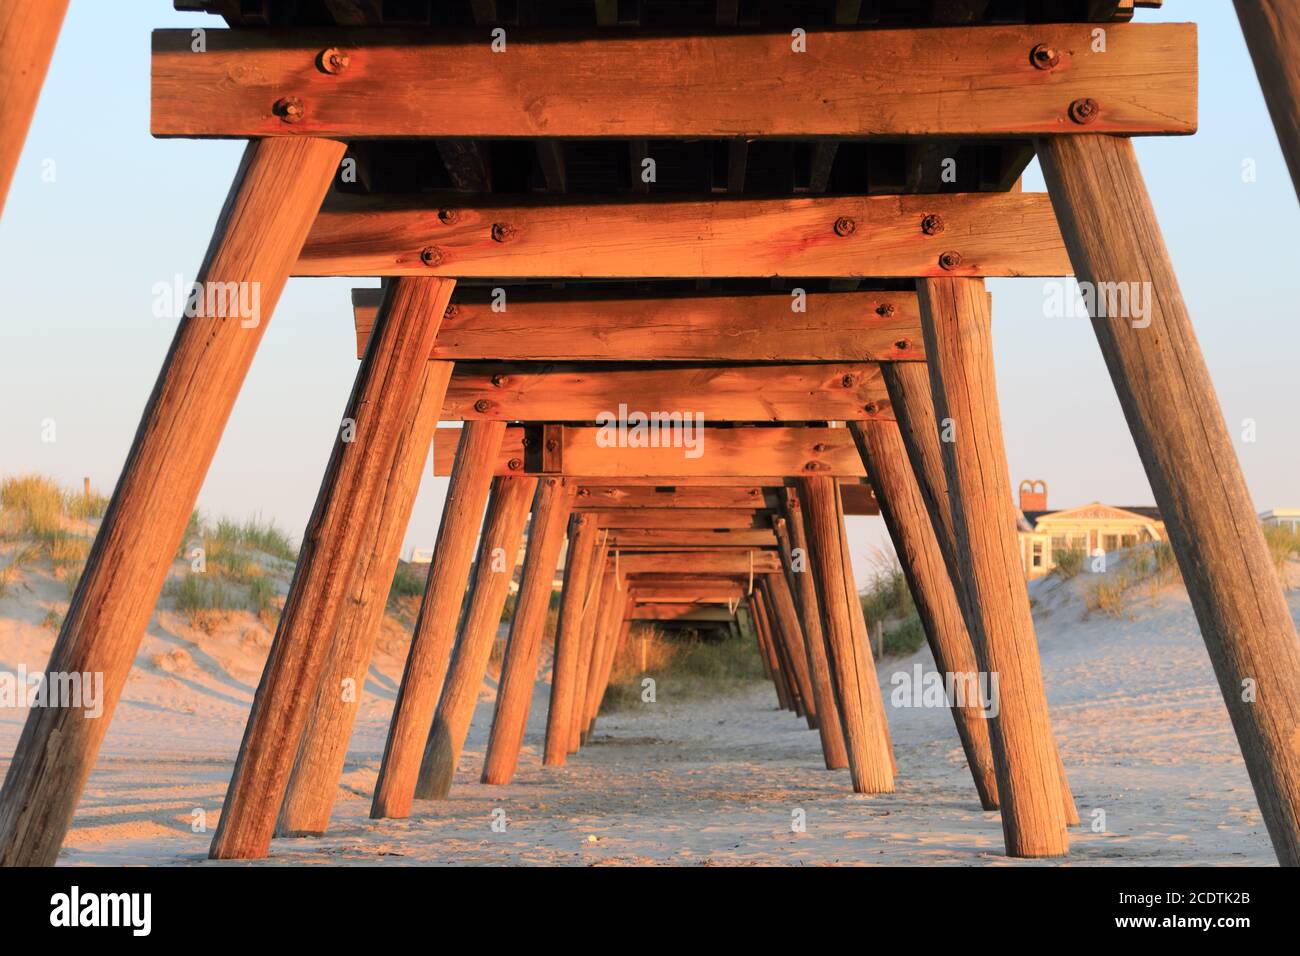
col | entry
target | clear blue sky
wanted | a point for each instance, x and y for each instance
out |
(80, 256)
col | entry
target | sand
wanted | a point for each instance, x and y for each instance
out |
(715, 781)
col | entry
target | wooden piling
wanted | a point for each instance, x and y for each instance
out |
(568, 638)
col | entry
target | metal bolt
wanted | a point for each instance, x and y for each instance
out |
(431, 255)
(584, 492)
(1084, 111)
(885, 309)
(844, 226)
(289, 109)
(950, 260)
(498, 380)
(482, 405)
(932, 225)
(332, 60)
(448, 216)
(502, 232)
(813, 466)
(903, 345)
(1044, 57)
(514, 464)
(847, 381)
(450, 312)
(552, 444)
(871, 408)
(819, 447)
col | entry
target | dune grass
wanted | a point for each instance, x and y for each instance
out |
(1283, 545)
(1067, 563)
(1147, 569)
(683, 664)
(887, 598)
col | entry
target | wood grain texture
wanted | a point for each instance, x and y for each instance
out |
(729, 561)
(793, 536)
(776, 592)
(995, 234)
(498, 553)
(29, 30)
(954, 315)
(313, 783)
(936, 601)
(613, 599)
(583, 531)
(668, 538)
(870, 770)
(557, 327)
(591, 612)
(1272, 31)
(762, 623)
(435, 628)
(519, 666)
(681, 520)
(1169, 401)
(275, 195)
(972, 81)
(612, 498)
(350, 502)
(540, 392)
(726, 453)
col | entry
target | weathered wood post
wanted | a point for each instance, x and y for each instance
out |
(1272, 31)
(384, 399)
(272, 203)
(867, 677)
(869, 767)
(591, 612)
(619, 624)
(435, 628)
(582, 538)
(1168, 399)
(955, 321)
(913, 405)
(918, 552)
(313, 783)
(498, 554)
(776, 595)
(767, 642)
(611, 600)
(519, 668)
(798, 571)
(29, 30)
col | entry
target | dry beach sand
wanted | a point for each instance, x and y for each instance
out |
(1142, 729)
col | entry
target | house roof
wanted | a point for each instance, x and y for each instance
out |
(1150, 512)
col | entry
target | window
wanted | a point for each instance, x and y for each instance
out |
(1109, 542)
(1038, 554)
(1128, 540)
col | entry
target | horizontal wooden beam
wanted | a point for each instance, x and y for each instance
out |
(959, 82)
(963, 234)
(679, 612)
(536, 326)
(695, 592)
(736, 561)
(608, 498)
(685, 538)
(726, 452)
(679, 519)
(694, 394)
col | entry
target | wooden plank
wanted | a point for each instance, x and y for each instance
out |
(963, 81)
(679, 612)
(614, 497)
(29, 30)
(728, 452)
(548, 327)
(695, 394)
(691, 538)
(993, 234)
(701, 562)
(692, 592)
(699, 519)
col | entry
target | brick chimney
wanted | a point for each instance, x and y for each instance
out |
(1033, 496)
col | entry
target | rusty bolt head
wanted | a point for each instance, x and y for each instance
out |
(871, 408)
(819, 447)
(552, 444)
(1084, 111)
(1044, 57)
(950, 260)
(844, 226)
(502, 232)
(332, 60)
(514, 464)
(847, 381)
(527, 442)
(813, 466)
(290, 109)
(885, 310)
(448, 216)
(482, 405)
(903, 345)
(932, 225)
(584, 492)
(450, 312)
(498, 380)
(431, 255)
